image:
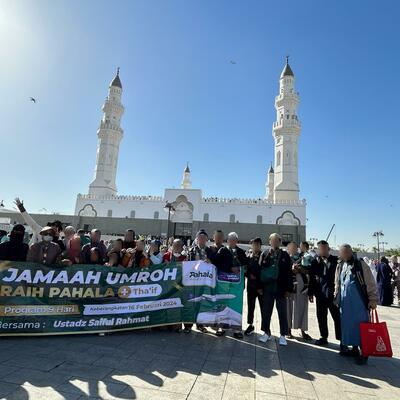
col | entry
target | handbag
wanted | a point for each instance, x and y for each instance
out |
(270, 274)
(375, 340)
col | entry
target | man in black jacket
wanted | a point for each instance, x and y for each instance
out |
(322, 285)
(218, 238)
(276, 283)
(15, 249)
(230, 259)
(199, 251)
(253, 277)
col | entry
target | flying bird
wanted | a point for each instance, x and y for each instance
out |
(32, 99)
(233, 62)
(2, 203)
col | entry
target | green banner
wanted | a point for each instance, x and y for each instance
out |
(46, 300)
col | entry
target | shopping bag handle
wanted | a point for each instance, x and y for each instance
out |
(374, 316)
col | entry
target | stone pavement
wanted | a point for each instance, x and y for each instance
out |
(166, 365)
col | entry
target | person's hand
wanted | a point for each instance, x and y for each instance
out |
(311, 299)
(19, 204)
(372, 306)
(260, 292)
(66, 261)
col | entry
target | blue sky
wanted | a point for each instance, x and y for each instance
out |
(185, 101)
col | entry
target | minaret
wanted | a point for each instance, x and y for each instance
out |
(269, 186)
(186, 184)
(110, 134)
(286, 131)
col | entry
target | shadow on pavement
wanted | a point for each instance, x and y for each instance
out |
(126, 365)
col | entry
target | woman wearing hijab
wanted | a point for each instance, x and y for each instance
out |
(384, 281)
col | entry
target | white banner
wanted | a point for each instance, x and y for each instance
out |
(198, 273)
(127, 308)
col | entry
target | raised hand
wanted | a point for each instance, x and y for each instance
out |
(19, 204)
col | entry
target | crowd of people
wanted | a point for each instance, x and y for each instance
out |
(289, 279)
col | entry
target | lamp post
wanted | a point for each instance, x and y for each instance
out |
(378, 234)
(383, 247)
(170, 208)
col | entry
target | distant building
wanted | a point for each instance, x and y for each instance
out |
(279, 210)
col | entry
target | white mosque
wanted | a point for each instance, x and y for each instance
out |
(280, 209)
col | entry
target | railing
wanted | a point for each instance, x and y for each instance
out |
(118, 197)
(219, 200)
(253, 201)
(109, 125)
(286, 95)
(287, 123)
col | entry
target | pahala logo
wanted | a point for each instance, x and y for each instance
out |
(380, 344)
(199, 274)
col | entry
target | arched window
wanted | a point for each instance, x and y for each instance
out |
(232, 218)
(156, 214)
(109, 213)
(278, 158)
(133, 214)
(206, 217)
(259, 219)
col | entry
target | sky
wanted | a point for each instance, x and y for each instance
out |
(185, 101)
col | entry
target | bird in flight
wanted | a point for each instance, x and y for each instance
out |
(233, 62)
(2, 203)
(32, 99)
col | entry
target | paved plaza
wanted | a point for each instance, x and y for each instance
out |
(166, 365)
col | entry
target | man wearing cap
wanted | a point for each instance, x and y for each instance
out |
(45, 251)
(231, 259)
(200, 250)
(15, 249)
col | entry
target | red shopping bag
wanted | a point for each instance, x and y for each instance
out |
(375, 340)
